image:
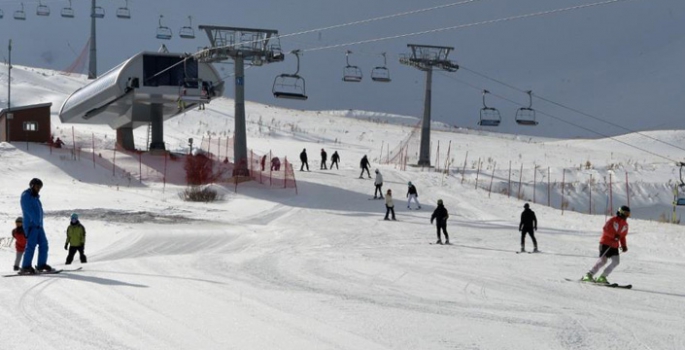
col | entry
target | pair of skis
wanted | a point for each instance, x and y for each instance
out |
(608, 285)
(53, 272)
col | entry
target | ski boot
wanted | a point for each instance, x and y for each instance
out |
(602, 280)
(523, 250)
(16, 268)
(587, 278)
(44, 268)
(535, 250)
(447, 242)
(27, 271)
(438, 242)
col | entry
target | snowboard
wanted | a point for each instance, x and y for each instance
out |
(610, 285)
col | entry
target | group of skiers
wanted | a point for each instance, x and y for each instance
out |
(335, 159)
(275, 163)
(29, 233)
(613, 236)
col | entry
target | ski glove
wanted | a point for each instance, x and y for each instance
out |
(624, 249)
(66, 246)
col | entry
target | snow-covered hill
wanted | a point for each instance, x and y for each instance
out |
(270, 269)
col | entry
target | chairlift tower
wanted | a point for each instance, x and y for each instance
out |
(93, 60)
(427, 58)
(257, 47)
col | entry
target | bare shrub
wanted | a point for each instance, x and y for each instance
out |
(200, 194)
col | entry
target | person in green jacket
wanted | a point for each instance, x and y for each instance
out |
(76, 240)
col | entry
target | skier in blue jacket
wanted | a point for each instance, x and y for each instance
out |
(32, 211)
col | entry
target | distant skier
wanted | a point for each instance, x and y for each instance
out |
(20, 241)
(76, 240)
(335, 158)
(303, 159)
(378, 182)
(59, 143)
(613, 235)
(389, 205)
(528, 224)
(32, 211)
(263, 162)
(364, 164)
(324, 158)
(275, 164)
(412, 194)
(440, 216)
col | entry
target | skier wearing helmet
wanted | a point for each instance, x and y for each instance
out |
(32, 211)
(76, 240)
(440, 215)
(20, 241)
(613, 236)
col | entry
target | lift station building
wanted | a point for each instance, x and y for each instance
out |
(146, 89)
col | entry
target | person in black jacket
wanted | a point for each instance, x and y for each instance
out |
(412, 194)
(303, 159)
(440, 216)
(335, 158)
(364, 164)
(529, 224)
(324, 158)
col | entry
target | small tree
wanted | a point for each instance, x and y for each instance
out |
(199, 170)
(199, 173)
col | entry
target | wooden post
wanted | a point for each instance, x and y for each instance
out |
(437, 157)
(611, 194)
(464, 169)
(627, 190)
(227, 141)
(209, 146)
(93, 137)
(477, 173)
(549, 188)
(535, 179)
(509, 182)
(520, 182)
(563, 181)
(380, 159)
(140, 167)
(114, 160)
(447, 160)
(492, 177)
(164, 175)
(73, 140)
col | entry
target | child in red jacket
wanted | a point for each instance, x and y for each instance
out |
(20, 238)
(613, 236)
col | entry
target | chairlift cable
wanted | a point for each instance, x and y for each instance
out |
(379, 18)
(468, 25)
(575, 110)
(562, 120)
(511, 18)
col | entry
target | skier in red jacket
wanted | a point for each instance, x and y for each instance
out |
(613, 237)
(20, 241)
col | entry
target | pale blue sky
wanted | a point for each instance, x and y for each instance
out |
(620, 62)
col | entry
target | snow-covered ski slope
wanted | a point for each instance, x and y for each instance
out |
(267, 269)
